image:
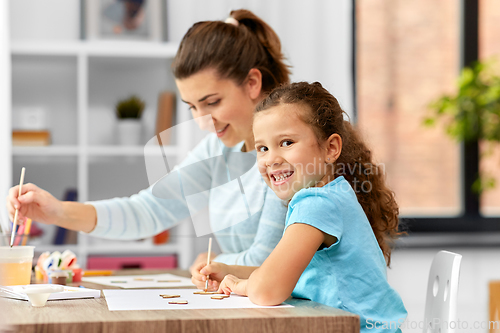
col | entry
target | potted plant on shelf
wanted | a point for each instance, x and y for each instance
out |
(129, 112)
(472, 113)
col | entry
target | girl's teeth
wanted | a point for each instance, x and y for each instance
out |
(282, 176)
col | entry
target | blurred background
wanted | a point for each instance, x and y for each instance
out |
(67, 64)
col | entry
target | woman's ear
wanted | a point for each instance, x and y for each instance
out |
(253, 83)
(333, 148)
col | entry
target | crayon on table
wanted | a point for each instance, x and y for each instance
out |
(97, 273)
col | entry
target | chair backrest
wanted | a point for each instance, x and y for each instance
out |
(442, 291)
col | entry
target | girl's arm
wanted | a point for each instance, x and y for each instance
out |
(243, 272)
(161, 206)
(274, 281)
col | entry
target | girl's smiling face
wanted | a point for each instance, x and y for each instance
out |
(288, 153)
(230, 105)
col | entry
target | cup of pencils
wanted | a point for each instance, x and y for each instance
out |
(23, 233)
(15, 265)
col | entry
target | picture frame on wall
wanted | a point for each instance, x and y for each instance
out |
(133, 20)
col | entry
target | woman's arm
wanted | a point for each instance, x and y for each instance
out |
(41, 206)
(78, 216)
(160, 206)
(139, 216)
(274, 281)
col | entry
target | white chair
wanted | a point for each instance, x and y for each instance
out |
(442, 291)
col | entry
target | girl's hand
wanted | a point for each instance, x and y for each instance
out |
(232, 284)
(34, 203)
(202, 258)
(216, 271)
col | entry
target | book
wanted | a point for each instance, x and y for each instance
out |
(68, 293)
(31, 138)
(164, 121)
(165, 115)
(65, 236)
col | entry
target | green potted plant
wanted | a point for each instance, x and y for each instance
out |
(129, 112)
(472, 113)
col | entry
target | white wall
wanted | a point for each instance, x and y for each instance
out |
(45, 20)
(410, 271)
(316, 35)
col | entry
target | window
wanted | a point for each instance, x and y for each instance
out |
(408, 54)
(489, 33)
(407, 57)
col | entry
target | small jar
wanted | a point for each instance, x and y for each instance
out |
(70, 275)
(77, 274)
(58, 277)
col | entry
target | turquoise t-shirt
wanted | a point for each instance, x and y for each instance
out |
(350, 274)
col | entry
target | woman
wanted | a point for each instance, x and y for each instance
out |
(222, 69)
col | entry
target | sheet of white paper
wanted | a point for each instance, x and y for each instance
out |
(149, 299)
(141, 281)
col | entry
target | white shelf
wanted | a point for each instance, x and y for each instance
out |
(46, 48)
(53, 247)
(77, 82)
(96, 48)
(96, 151)
(131, 151)
(116, 61)
(45, 151)
(130, 49)
(131, 248)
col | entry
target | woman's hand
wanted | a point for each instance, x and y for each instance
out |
(34, 203)
(232, 284)
(216, 271)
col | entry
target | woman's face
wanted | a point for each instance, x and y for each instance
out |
(230, 106)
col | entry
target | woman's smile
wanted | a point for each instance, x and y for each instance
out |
(222, 131)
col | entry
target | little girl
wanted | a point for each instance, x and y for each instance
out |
(341, 215)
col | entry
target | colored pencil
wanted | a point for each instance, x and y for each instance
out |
(27, 230)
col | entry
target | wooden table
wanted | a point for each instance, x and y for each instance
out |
(92, 315)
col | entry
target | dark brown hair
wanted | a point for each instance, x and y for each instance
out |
(233, 50)
(324, 114)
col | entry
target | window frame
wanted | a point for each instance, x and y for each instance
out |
(471, 220)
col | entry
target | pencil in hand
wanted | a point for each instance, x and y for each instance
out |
(208, 261)
(14, 223)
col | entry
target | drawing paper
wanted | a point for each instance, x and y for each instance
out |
(149, 299)
(141, 281)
